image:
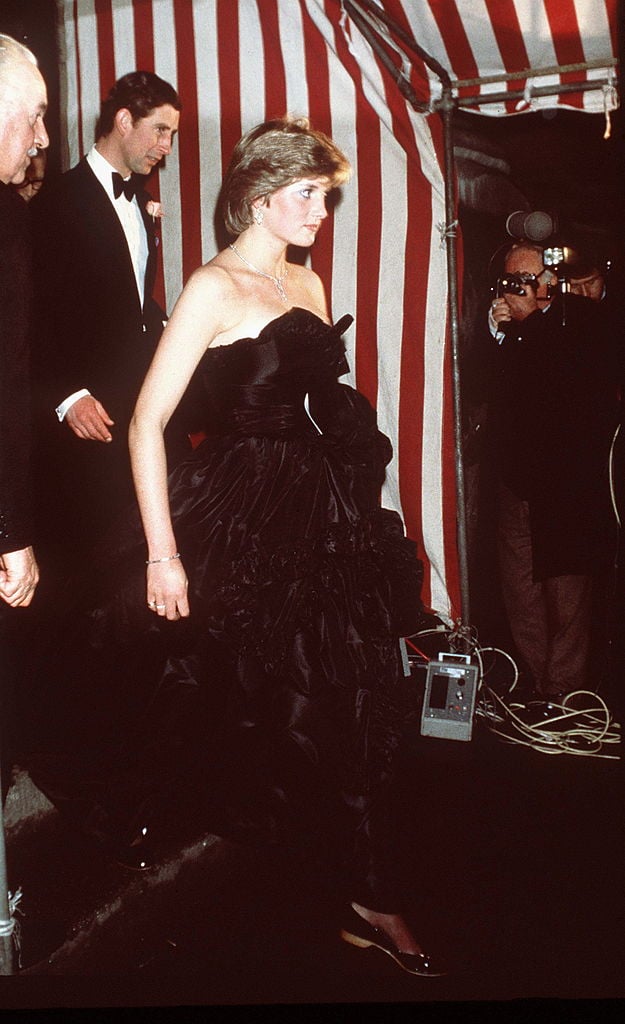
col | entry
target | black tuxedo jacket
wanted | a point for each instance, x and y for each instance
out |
(89, 332)
(15, 296)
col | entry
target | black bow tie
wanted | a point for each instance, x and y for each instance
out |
(127, 187)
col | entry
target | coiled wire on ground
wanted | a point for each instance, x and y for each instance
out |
(580, 725)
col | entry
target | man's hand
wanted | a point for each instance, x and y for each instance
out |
(500, 311)
(514, 307)
(19, 575)
(89, 419)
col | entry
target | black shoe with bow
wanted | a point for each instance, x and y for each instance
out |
(137, 855)
(358, 932)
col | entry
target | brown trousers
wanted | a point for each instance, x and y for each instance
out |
(550, 620)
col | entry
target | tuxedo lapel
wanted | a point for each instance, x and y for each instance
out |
(97, 211)
(143, 198)
(103, 223)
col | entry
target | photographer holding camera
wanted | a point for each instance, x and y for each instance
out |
(523, 291)
(553, 416)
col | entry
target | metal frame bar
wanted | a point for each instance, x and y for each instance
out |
(554, 69)
(538, 90)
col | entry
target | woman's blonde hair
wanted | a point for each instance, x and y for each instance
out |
(272, 155)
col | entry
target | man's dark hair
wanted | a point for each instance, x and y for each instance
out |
(139, 92)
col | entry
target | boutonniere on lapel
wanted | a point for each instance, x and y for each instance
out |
(155, 211)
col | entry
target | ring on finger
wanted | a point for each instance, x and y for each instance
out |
(160, 607)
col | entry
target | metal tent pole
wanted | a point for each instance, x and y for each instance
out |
(7, 922)
(446, 108)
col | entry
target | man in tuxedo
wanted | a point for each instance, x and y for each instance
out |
(23, 102)
(97, 323)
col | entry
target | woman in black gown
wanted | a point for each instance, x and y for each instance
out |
(277, 588)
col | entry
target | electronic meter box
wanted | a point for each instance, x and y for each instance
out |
(449, 700)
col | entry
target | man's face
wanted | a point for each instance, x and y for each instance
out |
(146, 141)
(527, 261)
(34, 178)
(591, 286)
(22, 109)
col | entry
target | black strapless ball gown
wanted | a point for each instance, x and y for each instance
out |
(279, 703)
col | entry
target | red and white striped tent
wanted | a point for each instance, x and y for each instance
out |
(383, 257)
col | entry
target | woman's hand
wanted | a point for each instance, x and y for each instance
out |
(167, 586)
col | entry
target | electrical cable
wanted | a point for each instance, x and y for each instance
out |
(611, 474)
(589, 730)
(586, 731)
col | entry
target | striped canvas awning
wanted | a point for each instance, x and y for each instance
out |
(382, 255)
(502, 56)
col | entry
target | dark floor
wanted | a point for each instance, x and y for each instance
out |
(512, 865)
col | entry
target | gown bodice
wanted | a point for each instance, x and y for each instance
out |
(265, 384)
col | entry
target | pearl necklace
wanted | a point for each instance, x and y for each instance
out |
(278, 281)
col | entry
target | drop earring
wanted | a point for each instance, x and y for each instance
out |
(258, 215)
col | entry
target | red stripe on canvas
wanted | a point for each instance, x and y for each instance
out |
(188, 141)
(411, 427)
(507, 30)
(275, 78)
(104, 39)
(320, 112)
(144, 35)
(228, 57)
(567, 43)
(368, 174)
(459, 51)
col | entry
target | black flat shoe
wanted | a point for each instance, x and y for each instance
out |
(134, 858)
(360, 933)
(137, 855)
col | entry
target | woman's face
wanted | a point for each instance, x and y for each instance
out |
(294, 213)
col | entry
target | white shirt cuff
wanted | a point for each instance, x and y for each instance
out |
(494, 329)
(62, 409)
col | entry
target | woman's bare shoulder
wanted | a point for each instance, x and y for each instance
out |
(308, 290)
(211, 292)
(212, 277)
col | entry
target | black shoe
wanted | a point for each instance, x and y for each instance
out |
(137, 855)
(359, 932)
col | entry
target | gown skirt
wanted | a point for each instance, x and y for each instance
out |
(273, 713)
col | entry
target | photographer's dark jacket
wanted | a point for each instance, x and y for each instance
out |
(555, 411)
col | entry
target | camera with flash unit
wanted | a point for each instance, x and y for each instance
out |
(534, 227)
(555, 255)
(516, 284)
